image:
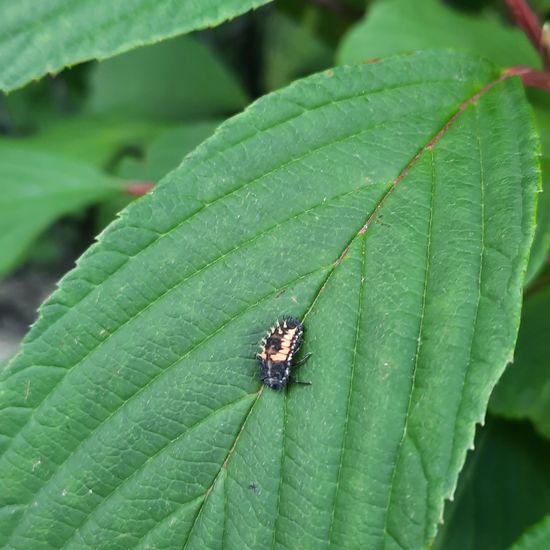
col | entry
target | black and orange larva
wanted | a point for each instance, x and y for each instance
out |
(278, 348)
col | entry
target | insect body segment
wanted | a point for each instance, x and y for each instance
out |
(277, 350)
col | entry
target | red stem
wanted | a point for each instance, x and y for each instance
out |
(527, 19)
(138, 188)
(531, 77)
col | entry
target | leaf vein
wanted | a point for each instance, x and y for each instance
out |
(123, 482)
(177, 361)
(350, 392)
(399, 449)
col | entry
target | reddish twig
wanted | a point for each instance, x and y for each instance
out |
(138, 188)
(531, 77)
(527, 19)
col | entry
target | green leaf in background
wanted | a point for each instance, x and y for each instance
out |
(36, 189)
(175, 80)
(503, 489)
(541, 244)
(540, 250)
(161, 156)
(352, 199)
(156, 81)
(20, 110)
(37, 38)
(95, 139)
(398, 26)
(166, 152)
(536, 538)
(523, 392)
(540, 5)
(292, 49)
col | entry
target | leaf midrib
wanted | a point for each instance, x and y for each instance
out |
(350, 393)
(279, 123)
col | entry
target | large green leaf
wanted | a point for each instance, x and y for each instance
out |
(35, 189)
(174, 80)
(43, 37)
(388, 205)
(524, 389)
(503, 489)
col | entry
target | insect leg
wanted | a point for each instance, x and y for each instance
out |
(302, 361)
(303, 382)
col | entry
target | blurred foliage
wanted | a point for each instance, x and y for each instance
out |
(428, 24)
(94, 138)
(333, 17)
(503, 489)
(100, 116)
(38, 188)
(43, 102)
(93, 128)
(523, 392)
(166, 152)
(542, 6)
(178, 79)
(536, 537)
(149, 164)
(292, 48)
